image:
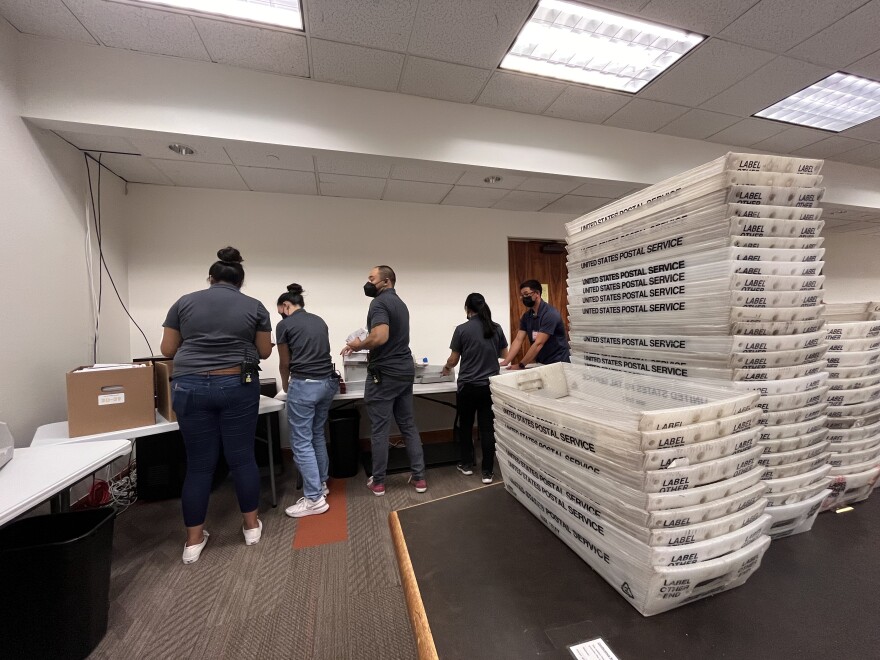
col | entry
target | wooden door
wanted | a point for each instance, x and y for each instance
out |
(544, 261)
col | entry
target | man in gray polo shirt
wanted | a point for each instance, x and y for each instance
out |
(389, 386)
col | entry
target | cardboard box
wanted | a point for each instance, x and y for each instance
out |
(164, 370)
(103, 400)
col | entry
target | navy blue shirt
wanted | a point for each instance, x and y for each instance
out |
(547, 320)
(218, 326)
(393, 357)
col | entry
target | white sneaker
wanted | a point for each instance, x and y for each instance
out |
(325, 488)
(306, 507)
(252, 536)
(191, 553)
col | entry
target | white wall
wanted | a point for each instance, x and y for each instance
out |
(47, 316)
(327, 244)
(852, 268)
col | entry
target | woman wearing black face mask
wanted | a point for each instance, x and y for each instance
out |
(478, 343)
(543, 326)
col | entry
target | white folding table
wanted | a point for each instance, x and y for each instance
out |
(58, 433)
(36, 474)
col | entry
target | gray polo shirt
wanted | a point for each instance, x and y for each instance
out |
(479, 355)
(393, 358)
(218, 326)
(547, 320)
(308, 339)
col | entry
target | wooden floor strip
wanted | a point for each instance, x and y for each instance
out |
(414, 605)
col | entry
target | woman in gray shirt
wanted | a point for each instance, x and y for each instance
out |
(311, 383)
(479, 343)
(217, 337)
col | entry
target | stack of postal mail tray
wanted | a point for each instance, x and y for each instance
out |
(716, 274)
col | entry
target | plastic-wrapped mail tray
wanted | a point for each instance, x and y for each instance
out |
(854, 330)
(791, 469)
(852, 487)
(652, 590)
(843, 384)
(788, 386)
(854, 457)
(794, 442)
(798, 494)
(781, 402)
(780, 431)
(786, 484)
(692, 442)
(865, 344)
(772, 329)
(853, 396)
(773, 458)
(796, 416)
(644, 524)
(795, 518)
(861, 371)
(853, 359)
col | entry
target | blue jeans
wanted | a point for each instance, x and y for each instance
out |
(308, 404)
(214, 411)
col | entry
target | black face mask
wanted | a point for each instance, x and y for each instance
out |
(528, 301)
(370, 290)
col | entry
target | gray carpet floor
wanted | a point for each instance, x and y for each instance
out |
(341, 600)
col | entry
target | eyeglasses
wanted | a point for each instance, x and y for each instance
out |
(528, 293)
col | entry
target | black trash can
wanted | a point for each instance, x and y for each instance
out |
(55, 584)
(344, 431)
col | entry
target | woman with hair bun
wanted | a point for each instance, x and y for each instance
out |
(308, 376)
(217, 337)
(479, 343)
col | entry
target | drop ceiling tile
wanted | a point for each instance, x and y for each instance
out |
(849, 39)
(869, 66)
(441, 80)
(748, 132)
(706, 71)
(90, 142)
(576, 204)
(254, 48)
(416, 191)
(644, 115)
(201, 175)
(624, 6)
(44, 18)
(605, 188)
(474, 33)
(698, 124)
(587, 105)
(703, 16)
(869, 130)
(866, 155)
(521, 200)
(829, 147)
(361, 187)
(136, 28)
(385, 24)
(560, 185)
(155, 145)
(353, 164)
(791, 139)
(345, 64)
(135, 169)
(761, 89)
(473, 196)
(262, 179)
(778, 25)
(520, 93)
(476, 177)
(274, 156)
(416, 170)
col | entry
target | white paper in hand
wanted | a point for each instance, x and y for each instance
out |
(360, 333)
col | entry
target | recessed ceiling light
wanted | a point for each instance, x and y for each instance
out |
(836, 103)
(181, 149)
(492, 179)
(573, 42)
(283, 13)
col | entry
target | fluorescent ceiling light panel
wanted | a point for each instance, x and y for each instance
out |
(283, 13)
(574, 42)
(836, 103)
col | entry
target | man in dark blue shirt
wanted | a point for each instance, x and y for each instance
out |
(389, 388)
(543, 325)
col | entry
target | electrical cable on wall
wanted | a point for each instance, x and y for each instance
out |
(96, 217)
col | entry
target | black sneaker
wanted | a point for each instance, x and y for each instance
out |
(465, 469)
(488, 477)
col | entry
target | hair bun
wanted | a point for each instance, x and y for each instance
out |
(229, 255)
(295, 289)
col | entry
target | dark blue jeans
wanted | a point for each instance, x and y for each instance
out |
(214, 411)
